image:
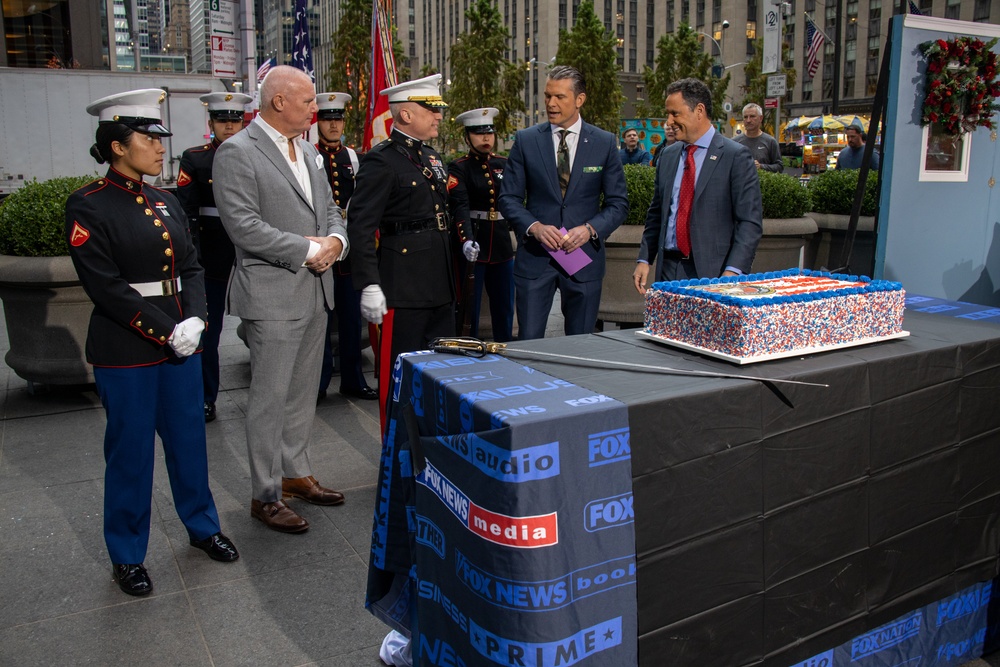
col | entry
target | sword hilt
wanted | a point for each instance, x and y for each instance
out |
(466, 346)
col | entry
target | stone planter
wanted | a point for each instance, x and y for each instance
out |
(783, 245)
(47, 315)
(826, 248)
(619, 301)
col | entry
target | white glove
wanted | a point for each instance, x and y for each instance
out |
(186, 336)
(373, 304)
(471, 250)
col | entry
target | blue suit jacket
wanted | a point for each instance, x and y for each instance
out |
(726, 217)
(530, 192)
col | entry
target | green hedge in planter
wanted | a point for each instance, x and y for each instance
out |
(833, 191)
(640, 180)
(782, 196)
(33, 218)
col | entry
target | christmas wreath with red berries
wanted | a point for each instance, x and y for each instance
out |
(961, 84)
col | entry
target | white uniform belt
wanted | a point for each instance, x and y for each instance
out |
(208, 210)
(158, 287)
(485, 215)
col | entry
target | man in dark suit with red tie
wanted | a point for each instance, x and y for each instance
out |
(555, 176)
(705, 219)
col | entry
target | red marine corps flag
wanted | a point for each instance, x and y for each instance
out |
(378, 121)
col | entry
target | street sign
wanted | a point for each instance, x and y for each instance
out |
(777, 85)
(225, 42)
(771, 55)
(770, 102)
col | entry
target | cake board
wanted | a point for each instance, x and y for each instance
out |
(743, 361)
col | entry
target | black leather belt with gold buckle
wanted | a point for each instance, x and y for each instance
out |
(438, 223)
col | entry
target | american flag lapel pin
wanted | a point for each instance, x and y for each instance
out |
(713, 157)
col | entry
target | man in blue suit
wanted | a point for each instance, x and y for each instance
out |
(714, 231)
(551, 197)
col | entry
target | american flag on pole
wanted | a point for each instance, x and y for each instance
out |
(264, 68)
(302, 57)
(815, 38)
(914, 10)
(378, 120)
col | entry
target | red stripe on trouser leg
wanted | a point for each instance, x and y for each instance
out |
(384, 368)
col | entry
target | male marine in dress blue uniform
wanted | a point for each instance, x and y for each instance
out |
(341, 164)
(215, 251)
(473, 188)
(407, 284)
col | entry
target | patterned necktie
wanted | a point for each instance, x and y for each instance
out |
(684, 201)
(562, 165)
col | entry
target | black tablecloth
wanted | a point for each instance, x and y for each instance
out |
(774, 521)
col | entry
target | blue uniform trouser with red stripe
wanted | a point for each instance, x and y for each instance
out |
(164, 399)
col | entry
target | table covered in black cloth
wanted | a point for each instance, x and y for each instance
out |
(776, 521)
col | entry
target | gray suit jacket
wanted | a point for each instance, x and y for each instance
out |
(266, 214)
(726, 217)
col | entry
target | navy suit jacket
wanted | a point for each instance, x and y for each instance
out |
(726, 216)
(530, 192)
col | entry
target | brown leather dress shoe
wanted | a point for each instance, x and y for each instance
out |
(309, 490)
(278, 516)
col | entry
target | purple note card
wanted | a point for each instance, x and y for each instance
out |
(571, 262)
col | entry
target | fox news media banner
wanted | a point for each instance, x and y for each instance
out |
(504, 524)
(950, 632)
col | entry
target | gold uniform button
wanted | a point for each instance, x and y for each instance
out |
(163, 338)
(210, 181)
(138, 324)
(168, 252)
(336, 193)
(336, 182)
(138, 200)
(413, 183)
(491, 191)
(148, 212)
(404, 251)
(150, 331)
(166, 267)
(166, 236)
(157, 223)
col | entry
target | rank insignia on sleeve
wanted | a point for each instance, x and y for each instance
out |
(78, 236)
(452, 181)
(183, 179)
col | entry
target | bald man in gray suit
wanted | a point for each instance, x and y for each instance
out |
(275, 202)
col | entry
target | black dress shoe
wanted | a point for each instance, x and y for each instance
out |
(218, 547)
(209, 412)
(364, 393)
(132, 579)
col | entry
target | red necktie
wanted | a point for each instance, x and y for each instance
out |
(684, 201)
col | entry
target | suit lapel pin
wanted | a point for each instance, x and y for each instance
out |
(713, 157)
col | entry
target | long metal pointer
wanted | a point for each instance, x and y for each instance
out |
(473, 347)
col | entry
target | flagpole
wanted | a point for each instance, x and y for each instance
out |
(839, 17)
(249, 46)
